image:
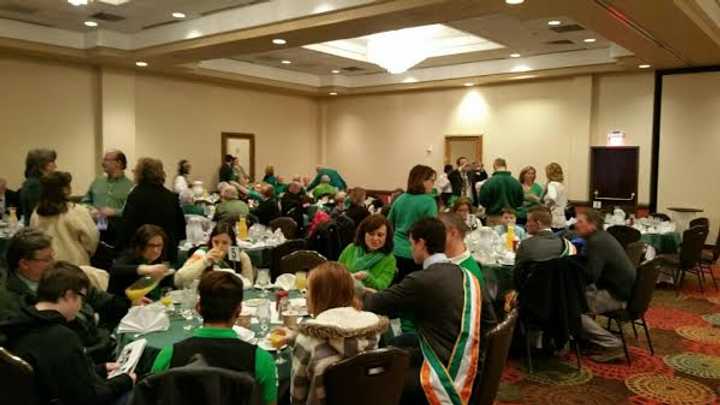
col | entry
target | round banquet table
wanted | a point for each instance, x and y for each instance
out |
(664, 243)
(177, 332)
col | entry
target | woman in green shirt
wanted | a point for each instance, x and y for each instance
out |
(370, 257)
(533, 192)
(406, 210)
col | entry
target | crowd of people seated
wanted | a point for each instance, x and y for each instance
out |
(408, 261)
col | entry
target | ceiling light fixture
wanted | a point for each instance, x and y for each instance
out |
(332, 93)
(141, 64)
(514, 55)
(644, 66)
(397, 51)
(469, 84)
(521, 68)
(589, 40)
(178, 15)
(77, 3)
(279, 41)
(91, 24)
(554, 23)
(335, 71)
(286, 62)
(514, 2)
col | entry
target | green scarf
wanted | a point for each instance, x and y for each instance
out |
(359, 260)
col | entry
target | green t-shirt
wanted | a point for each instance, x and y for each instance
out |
(107, 192)
(533, 198)
(406, 210)
(265, 370)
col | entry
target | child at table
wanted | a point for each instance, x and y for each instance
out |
(220, 304)
(509, 218)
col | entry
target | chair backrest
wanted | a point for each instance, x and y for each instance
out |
(635, 252)
(624, 234)
(281, 251)
(661, 216)
(327, 240)
(16, 383)
(346, 228)
(716, 248)
(702, 221)
(287, 225)
(644, 287)
(301, 260)
(498, 345)
(693, 242)
(374, 377)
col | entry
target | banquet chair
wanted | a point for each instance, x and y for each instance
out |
(375, 377)
(688, 260)
(625, 234)
(16, 384)
(638, 304)
(498, 346)
(301, 260)
(702, 221)
(710, 259)
(281, 251)
(661, 216)
(287, 225)
(635, 252)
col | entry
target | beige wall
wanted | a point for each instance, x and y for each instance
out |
(47, 105)
(689, 145)
(179, 119)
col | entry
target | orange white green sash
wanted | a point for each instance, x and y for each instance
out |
(452, 384)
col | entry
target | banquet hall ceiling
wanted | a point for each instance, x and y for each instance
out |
(231, 41)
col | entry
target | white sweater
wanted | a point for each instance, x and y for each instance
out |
(556, 199)
(74, 234)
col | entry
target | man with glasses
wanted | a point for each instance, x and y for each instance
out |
(40, 334)
(29, 255)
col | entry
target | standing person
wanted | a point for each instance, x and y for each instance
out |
(370, 257)
(406, 210)
(532, 191)
(500, 191)
(476, 175)
(74, 234)
(227, 172)
(444, 186)
(555, 196)
(459, 181)
(612, 276)
(8, 198)
(438, 298)
(219, 305)
(151, 203)
(269, 177)
(38, 163)
(40, 335)
(107, 194)
(336, 179)
(182, 180)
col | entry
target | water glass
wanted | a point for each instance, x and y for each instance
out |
(263, 280)
(263, 314)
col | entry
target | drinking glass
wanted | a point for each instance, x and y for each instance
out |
(187, 308)
(263, 280)
(263, 314)
(300, 280)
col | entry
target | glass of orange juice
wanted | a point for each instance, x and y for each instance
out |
(300, 280)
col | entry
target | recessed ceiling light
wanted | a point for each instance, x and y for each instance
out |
(515, 55)
(333, 93)
(141, 64)
(514, 2)
(521, 68)
(286, 62)
(554, 23)
(644, 66)
(178, 14)
(589, 40)
(469, 84)
(335, 71)
(90, 24)
(77, 3)
(279, 41)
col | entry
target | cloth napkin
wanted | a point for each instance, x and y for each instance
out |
(145, 319)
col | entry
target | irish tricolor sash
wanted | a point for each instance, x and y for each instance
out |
(452, 384)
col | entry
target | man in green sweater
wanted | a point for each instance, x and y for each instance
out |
(499, 192)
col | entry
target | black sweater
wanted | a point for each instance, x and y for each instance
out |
(62, 369)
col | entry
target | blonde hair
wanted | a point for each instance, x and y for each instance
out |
(554, 172)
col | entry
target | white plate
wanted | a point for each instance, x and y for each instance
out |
(253, 302)
(244, 334)
(267, 346)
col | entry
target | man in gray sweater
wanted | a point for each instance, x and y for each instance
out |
(612, 276)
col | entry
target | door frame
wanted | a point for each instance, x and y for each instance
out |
(591, 196)
(478, 146)
(225, 136)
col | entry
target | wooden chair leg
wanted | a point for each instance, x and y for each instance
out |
(647, 335)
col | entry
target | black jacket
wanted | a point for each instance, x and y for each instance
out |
(357, 213)
(266, 211)
(551, 297)
(456, 182)
(124, 272)
(291, 205)
(61, 368)
(12, 199)
(434, 297)
(156, 205)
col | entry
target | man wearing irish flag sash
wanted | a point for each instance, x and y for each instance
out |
(445, 303)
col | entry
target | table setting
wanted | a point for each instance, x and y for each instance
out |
(662, 236)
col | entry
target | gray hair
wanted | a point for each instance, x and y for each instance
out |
(24, 244)
(325, 178)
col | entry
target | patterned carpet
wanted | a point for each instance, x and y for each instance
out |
(685, 332)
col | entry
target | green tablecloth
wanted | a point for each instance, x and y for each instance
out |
(666, 243)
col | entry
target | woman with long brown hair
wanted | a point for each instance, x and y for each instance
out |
(337, 331)
(413, 205)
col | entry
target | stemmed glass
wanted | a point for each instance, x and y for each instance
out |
(263, 314)
(263, 280)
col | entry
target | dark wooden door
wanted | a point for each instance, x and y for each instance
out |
(614, 177)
